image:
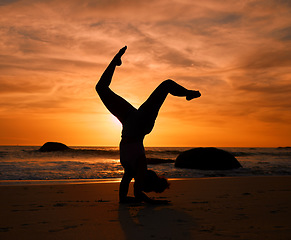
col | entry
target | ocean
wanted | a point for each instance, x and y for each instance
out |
(24, 164)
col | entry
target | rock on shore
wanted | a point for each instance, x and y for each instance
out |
(207, 159)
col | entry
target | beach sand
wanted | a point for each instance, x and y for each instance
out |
(213, 208)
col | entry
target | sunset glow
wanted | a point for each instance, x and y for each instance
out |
(236, 53)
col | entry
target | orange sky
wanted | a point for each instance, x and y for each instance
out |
(237, 53)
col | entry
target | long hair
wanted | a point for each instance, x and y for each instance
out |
(155, 183)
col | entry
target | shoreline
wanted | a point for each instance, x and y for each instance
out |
(113, 180)
(56, 182)
(201, 208)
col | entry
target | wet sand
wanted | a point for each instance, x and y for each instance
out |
(213, 208)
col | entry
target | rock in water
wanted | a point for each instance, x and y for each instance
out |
(207, 159)
(53, 146)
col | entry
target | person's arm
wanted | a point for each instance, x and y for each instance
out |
(123, 188)
(142, 197)
(139, 180)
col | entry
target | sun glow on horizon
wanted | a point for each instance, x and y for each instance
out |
(116, 122)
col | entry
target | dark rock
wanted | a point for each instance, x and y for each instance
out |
(207, 159)
(53, 146)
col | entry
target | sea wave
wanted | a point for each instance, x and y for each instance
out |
(153, 152)
(241, 154)
(27, 163)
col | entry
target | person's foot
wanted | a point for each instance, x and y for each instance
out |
(193, 94)
(118, 56)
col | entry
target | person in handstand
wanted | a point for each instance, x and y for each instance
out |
(136, 123)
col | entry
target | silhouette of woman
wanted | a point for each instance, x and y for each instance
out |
(136, 123)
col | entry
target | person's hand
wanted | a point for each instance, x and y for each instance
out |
(130, 200)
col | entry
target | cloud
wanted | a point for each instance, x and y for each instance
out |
(8, 86)
(282, 34)
(42, 65)
(7, 2)
(266, 59)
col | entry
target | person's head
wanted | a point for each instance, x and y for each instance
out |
(154, 183)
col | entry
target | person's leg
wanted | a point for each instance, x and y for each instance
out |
(150, 108)
(106, 77)
(118, 106)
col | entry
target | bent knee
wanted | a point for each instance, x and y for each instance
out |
(168, 83)
(100, 87)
